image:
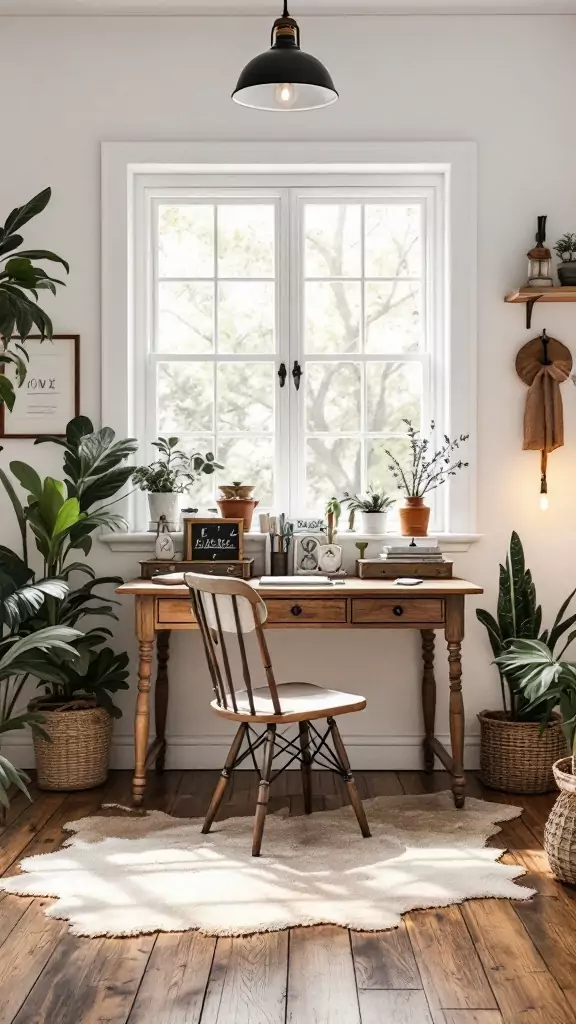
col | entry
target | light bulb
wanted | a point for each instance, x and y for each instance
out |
(285, 94)
(544, 503)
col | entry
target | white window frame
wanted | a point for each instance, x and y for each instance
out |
(131, 172)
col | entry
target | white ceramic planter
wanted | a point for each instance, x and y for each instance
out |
(329, 557)
(372, 523)
(164, 504)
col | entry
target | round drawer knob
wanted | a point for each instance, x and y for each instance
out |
(296, 609)
(398, 610)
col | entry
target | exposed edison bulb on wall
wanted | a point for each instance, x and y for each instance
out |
(544, 503)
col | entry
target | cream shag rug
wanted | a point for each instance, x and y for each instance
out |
(127, 875)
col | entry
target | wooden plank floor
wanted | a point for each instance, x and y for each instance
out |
(484, 962)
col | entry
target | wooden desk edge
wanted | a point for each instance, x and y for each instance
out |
(351, 586)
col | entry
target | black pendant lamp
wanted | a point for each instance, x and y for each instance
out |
(284, 77)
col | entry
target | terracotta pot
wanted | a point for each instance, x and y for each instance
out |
(414, 518)
(236, 508)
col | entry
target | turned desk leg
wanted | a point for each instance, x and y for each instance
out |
(428, 696)
(145, 635)
(454, 637)
(161, 694)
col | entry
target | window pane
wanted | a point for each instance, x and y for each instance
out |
(332, 240)
(393, 394)
(393, 240)
(250, 460)
(332, 397)
(393, 317)
(245, 397)
(246, 240)
(185, 316)
(379, 474)
(333, 465)
(245, 316)
(185, 397)
(332, 316)
(186, 241)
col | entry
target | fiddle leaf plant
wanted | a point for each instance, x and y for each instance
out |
(20, 282)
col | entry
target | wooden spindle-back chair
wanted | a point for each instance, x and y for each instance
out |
(230, 615)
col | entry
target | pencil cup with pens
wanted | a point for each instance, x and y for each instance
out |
(280, 535)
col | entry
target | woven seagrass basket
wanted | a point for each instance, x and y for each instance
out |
(78, 752)
(560, 831)
(514, 757)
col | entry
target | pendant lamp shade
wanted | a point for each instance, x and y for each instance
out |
(284, 77)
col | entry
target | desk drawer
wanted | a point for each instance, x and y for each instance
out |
(397, 610)
(301, 610)
(174, 610)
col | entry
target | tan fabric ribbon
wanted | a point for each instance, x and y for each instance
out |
(543, 419)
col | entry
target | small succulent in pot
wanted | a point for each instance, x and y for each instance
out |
(421, 472)
(373, 509)
(565, 248)
(173, 473)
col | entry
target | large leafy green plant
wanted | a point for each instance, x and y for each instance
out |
(20, 282)
(519, 617)
(62, 516)
(545, 681)
(41, 654)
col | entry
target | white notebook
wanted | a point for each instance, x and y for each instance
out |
(298, 581)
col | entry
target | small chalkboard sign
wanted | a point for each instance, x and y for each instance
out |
(213, 540)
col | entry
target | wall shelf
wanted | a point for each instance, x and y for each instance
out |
(530, 296)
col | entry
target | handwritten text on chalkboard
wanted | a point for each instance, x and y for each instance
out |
(214, 540)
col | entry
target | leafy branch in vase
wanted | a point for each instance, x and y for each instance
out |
(425, 470)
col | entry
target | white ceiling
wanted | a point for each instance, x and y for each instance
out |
(297, 7)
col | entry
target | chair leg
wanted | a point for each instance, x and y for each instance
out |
(306, 766)
(349, 779)
(263, 791)
(223, 781)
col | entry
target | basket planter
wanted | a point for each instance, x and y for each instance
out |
(515, 757)
(560, 831)
(78, 754)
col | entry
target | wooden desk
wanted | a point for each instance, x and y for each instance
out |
(356, 604)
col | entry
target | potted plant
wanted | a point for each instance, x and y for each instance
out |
(547, 681)
(20, 279)
(236, 502)
(372, 510)
(565, 248)
(421, 472)
(518, 748)
(76, 704)
(172, 474)
(330, 554)
(23, 655)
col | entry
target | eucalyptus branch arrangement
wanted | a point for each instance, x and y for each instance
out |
(174, 472)
(424, 470)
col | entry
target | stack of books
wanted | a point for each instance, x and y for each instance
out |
(422, 559)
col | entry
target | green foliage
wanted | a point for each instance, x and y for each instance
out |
(565, 247)
(374, 501)
(333, 511)
(20, 282)
(174, 471)
(519, 617)
(424, 470)
(544, 680)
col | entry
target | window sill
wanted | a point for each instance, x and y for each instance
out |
(451, 543)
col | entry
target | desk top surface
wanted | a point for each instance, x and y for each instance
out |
(350, 587)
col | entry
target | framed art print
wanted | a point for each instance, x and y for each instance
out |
(50, 394)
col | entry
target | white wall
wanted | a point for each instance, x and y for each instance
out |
(507, 83)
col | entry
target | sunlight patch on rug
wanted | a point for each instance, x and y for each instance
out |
(129, 875)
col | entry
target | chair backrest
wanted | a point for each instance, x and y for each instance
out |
(230, 606)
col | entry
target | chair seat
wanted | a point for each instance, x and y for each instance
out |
(300, 702)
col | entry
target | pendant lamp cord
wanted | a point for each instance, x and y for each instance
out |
(285, 14)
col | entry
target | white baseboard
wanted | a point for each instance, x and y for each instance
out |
(366, 753)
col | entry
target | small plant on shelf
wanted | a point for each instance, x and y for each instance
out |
(565, 248)
(173, 473)
(422, 471)
(373, 508)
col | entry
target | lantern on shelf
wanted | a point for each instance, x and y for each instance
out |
(540, 260)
